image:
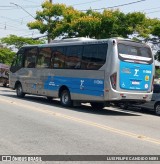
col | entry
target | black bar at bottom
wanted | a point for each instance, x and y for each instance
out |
(79, 158)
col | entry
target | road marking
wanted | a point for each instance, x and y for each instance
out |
(90, 123)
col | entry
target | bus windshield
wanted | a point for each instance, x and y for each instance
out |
(135, 51)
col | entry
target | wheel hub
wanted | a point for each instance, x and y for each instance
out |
(65, 98)
(158, 109)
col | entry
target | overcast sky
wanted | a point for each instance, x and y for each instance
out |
(13, 19)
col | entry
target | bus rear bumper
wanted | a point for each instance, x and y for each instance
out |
(124, 96)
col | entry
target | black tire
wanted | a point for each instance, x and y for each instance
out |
(157, 109)
(97, 105)
(65, 98)
(19, 91)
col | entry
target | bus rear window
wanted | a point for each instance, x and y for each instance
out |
(134, 50)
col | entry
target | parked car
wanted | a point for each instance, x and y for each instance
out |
(154, 104)
(4, 74)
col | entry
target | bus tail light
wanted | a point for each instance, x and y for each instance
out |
(113, 78)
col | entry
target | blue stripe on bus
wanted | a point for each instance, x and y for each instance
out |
(94, 87)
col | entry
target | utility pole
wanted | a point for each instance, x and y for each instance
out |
(49, 21)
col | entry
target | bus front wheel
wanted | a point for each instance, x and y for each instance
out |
(97, 105)
(19, 91)
(65, 98)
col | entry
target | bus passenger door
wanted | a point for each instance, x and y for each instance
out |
(30, 73)
(43, 70)
(16, 66)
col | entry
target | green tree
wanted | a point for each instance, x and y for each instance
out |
(60, 20)
(47, 19)
(18, 42)
(55, 19)
(157, 56)
(112, 23)
(156, 30)
(6, 55)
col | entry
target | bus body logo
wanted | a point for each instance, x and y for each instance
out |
(136, 72)
(146, 86)
(146, 78)
(82, 86)
(123, 85)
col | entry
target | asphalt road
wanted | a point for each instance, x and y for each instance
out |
(35, 126)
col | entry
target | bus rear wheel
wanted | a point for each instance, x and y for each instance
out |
(157, 109)
(65, 98)
(97, 105)
(19, 91)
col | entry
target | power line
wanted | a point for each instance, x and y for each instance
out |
(125, 4)
(21, 35)
(11, 29)
(8, 9)
(85, 10)
(5, 6)
(153, 12)
(85, 3)
(29, 34)
(11, 26)
(26, 6)
(29, 1)
(151, 8)
(23, 9)
(15, 8)
(17, 21)
(8, 25)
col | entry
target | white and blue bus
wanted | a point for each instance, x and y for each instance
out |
(85, 70)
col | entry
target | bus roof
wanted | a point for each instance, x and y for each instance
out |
(80, 40)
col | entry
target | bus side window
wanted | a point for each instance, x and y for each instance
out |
(18, 61)
(145, 52)
(30, 57)
(44, 58)
(58, 57)
(122, 49)
(88, 57)
(73, 57)
(94, 56)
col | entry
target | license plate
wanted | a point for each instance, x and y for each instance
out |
(135, 83)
